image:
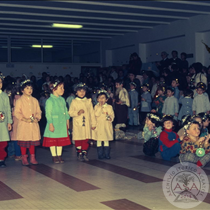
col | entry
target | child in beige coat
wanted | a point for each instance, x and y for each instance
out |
(81, 110)
(104, 130)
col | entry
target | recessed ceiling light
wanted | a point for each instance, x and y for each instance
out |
(60, 25)
(43, 46)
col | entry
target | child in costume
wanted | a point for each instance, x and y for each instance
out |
(159, 101)
(5, 122)
(122, 103)
(184, 120)
(186, 102)
(146, 100)
(169, 142)
(201, 101)
(81, 110)
(104, 130)
(175, 84)
(133, 111)
(171, 106)
(28, 113)
(205, 123)
(152, 130)
(195, 149)
(56, 132)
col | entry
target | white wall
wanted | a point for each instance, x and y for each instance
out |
(179, 35)
(36, 69)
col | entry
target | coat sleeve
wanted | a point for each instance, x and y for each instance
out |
(176, 105)
(92, 114)
(66, 111)
(97, 111)
(48, 111)
(194, 104)
(164, 139)
(38, 110)
(164, 107)
(147, 133)
(111, 114)
(9, 113)
(18, 110)
(73, 110)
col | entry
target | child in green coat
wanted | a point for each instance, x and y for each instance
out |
(56, 131)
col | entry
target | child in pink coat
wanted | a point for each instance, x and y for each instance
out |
(28, 113)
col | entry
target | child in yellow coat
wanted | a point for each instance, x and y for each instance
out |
(104, 130)
(81, 110)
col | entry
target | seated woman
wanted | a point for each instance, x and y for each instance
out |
(151, 132)
(195, 149)
(169, 142)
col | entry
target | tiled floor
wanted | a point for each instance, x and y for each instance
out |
(129, 180)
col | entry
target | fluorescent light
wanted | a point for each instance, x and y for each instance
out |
(11, 47)
(59, 25)
(43, 46)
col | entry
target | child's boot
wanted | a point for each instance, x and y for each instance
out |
(2, 164)
(100, 152)
(80, 156)
(60, 159)
(107, 152)
(25, 160)
(85, 155)
(33, 160)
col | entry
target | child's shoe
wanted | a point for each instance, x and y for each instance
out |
(55, 159)
(25, 160)
(2, 164)
(100, 152)
(18, 158)
(33, 160)
(80, 157)
(60, 159)
(85, 156)
(107, 152)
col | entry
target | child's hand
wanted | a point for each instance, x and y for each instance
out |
(93, 128)
(35, 120)
(201, 139)
(143, 99)
(9, 127)
(194, 112)
(207, 112)
(81, 111)
(153, 111)
(67, 123)
(181, 138)
(51, 127)
(207, 140)
(119, 102)
(176, 114)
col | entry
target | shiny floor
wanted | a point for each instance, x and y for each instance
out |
(129, 180)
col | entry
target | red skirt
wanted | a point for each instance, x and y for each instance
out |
(58, 142)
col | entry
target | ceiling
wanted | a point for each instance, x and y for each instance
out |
(100, 19)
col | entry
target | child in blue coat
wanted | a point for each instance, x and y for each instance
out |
(133, 112)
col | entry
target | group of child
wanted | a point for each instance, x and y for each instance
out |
(190, 144)
(88, 123)
(97, 122)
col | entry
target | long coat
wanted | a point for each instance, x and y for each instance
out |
(104, 128)
(5, 107)
(57, 114)
(82, 123)
(27, 107)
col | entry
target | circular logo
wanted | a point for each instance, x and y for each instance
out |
(185, 185)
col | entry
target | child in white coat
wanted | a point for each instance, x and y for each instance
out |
(104, 130)
(81, 110)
